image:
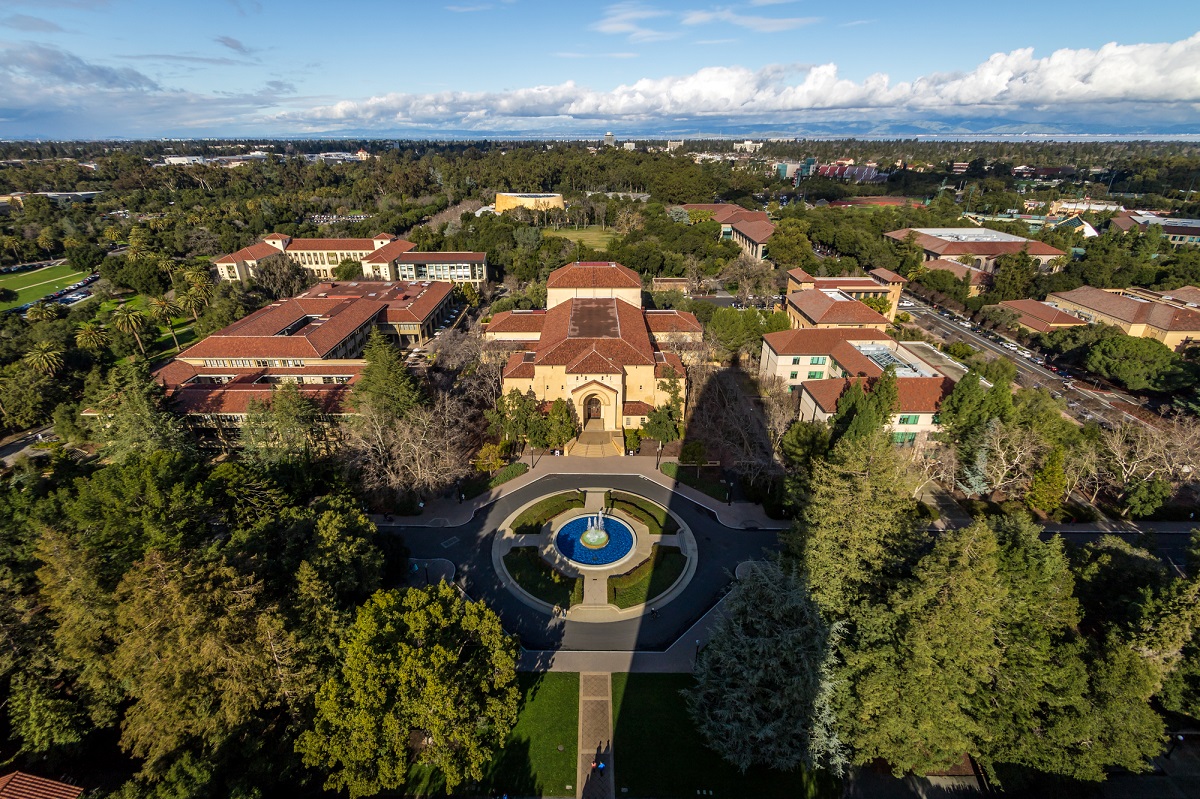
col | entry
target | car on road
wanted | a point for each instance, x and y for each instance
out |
(907, 304)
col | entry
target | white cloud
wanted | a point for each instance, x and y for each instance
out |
(49, 90)
(754, 23)
(233, 44)
(1145, 74)
(24, 22)
(626, 19)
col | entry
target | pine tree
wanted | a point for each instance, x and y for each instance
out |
(385, 383)
(1049, 485)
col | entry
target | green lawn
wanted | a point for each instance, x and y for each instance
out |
(593, 236)
(659, 754)
(531, 519)
(649, 579)
(27, 288)
(654, 516)
(709, 480)
(530, 763)
(541, 580)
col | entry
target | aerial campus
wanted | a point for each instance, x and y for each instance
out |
(681, 422)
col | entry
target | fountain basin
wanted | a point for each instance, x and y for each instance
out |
(581, 542)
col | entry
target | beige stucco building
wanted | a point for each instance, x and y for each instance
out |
(595, 346)
(384, 257)
(977, 247)
(507, 201)
(879, 283)
(1170, 317)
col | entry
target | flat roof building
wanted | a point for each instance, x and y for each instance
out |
(978, 246)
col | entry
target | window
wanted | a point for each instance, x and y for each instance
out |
(911, 418)
(791, 389)
(815, 375)
(793, 375)
(904, 439)
(795, 361)
(817, 360)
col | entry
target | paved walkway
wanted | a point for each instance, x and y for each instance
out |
(595, 737)
(443, 512)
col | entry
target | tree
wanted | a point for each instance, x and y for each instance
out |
(283, 430)
(920, 663)
(790, 247)
(91, 336)
(1136, 363)
(424, 662)
(764, 681)
(665, 423)
(880, 305)
(1012, 278)
(203, 657)
(44, 357)
(130, 417)
(348, 269)
(190, 301)
(858, 523)
(561, 426)
(42, 312)
(163, 311)
(1049, 484)
(279, 277)
(385, 383)
(132, 321)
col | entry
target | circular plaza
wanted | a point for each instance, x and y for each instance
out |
(594, 555)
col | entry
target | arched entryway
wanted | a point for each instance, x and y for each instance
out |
(593, 413)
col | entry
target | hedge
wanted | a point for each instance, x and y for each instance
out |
(531, 520)
(648, 513)
(648, 580)
(541, 580)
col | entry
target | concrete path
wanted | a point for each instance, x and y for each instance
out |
(595, 737)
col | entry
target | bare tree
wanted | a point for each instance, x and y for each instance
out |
(753, 277)
(780, 406)
(934, 463)
(1012, 455)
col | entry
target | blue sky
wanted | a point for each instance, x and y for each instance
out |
(97, 68)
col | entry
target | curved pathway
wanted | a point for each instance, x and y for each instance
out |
(720, 549)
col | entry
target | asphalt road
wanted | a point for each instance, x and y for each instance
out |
(720, 549)
(1088, 405)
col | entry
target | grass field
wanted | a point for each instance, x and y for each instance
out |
(659, 753)
(530, 763)
(593, 236)
(32, 286)
(648, 580)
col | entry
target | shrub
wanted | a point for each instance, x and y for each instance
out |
(541, 580)
(655, 517)
(508, 473)
(647, 580)
(633, 440)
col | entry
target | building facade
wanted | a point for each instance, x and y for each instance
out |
(977, 247)
(1172, 318)
(878, 283)
(383, 257)
(596, 347)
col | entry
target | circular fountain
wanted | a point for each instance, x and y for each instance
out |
(594, 540)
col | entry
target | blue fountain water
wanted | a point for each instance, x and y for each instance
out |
(620, 541)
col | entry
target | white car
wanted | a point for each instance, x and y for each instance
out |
(907, 304)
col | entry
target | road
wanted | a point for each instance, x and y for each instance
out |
(1082, 403)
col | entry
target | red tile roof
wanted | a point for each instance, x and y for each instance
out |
(255, 252)
(389, 252)
(989, 249)
(672, 322)
(814, 341)
(821, 309)
(611, 327)
(758, 231)
(331, 245)
(593, 274)
(19, 785)
(636, 409)
(1040, 316)
(235, 398)
(800, 276)
(1129, 310)
(916, 394)
(517, 322)
(666, 362)
(888, 276)
(978, 276)
(520, 364)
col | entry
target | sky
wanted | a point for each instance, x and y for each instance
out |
(260, 68)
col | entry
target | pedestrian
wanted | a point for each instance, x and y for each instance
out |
(593, 766)
(600, 767)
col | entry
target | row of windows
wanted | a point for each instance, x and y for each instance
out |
(260, 363)
(905, 439)
(815, 360)
(811, 375)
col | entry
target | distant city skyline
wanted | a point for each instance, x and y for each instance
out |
(135, 68)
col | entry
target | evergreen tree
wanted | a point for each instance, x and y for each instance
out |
(919, 664)
(764, 690)
(858, 526)
(130, 415)
(1049, 485)
(385, 383)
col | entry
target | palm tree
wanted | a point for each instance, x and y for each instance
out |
(130, 320)
(199, 281)
(91, 336)
(190, 301)
(44, 357)
(163, 310)
(42, 312)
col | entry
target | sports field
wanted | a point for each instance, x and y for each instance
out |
(31, 286)
(592, 236)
